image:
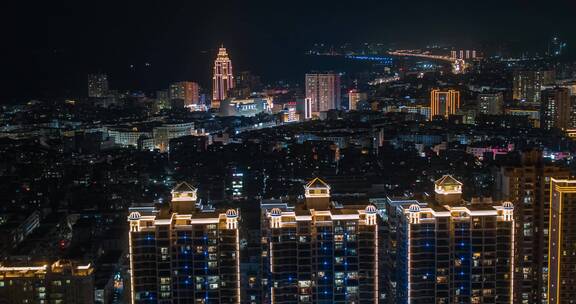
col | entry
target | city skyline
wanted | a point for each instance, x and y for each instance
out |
(182, 47)
(261, 152)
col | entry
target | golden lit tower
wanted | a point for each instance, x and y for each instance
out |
(448, 190)
(223, 79)
(444, 103)
(562, 248)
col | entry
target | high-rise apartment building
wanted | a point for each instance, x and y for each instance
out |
(184, 253)
(323, 89)
(562, 250)
(490, 103)
(319, 251)
(354, 97)
(97, 85)
(223, 79)
(187, 91)
(527, 84)
(450, 252)
(59, 282)
(527, 186)
(444, 103)
(555, 109)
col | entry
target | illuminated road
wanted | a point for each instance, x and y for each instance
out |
(458, 65)
(421, 55)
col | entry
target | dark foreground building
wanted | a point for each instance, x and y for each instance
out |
(59, 282)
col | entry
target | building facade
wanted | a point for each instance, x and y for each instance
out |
(447, 251)
(183, 253)
(355, 97)
(490, 103)
(163, 134)
(444, 103)
(60, 282)
(187, 91)
(555, 109)
(562, 249)
(318, 251)
(527, 186)
(223, 79)
(245, 107)
(527, 84)
(323, 90)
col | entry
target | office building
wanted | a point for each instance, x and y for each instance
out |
(490, 103)
(126, 136)
(562, 250)
(59, 282)
(444, 103)
(223, 79)
(355, 97)
(555, 108)
(245, 107)
(187, 91)
(451, 252)
(98, 85)
(164, 133)
(289, 115)
(323, 90)
(184, 252)
(527, 84)
(319, 251)
(527, 185)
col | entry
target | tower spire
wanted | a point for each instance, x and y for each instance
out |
(223, 79)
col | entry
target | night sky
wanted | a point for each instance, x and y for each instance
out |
(48, 47)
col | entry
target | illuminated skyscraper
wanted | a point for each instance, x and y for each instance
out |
(223, 79)
(187, 91)
(183, 253)
(323, 89)
(97, 85)
(459, 252)
(555, 109)
(527, 186)
(562, 253)
(444, 103)
(528, 84)
(319, 251)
